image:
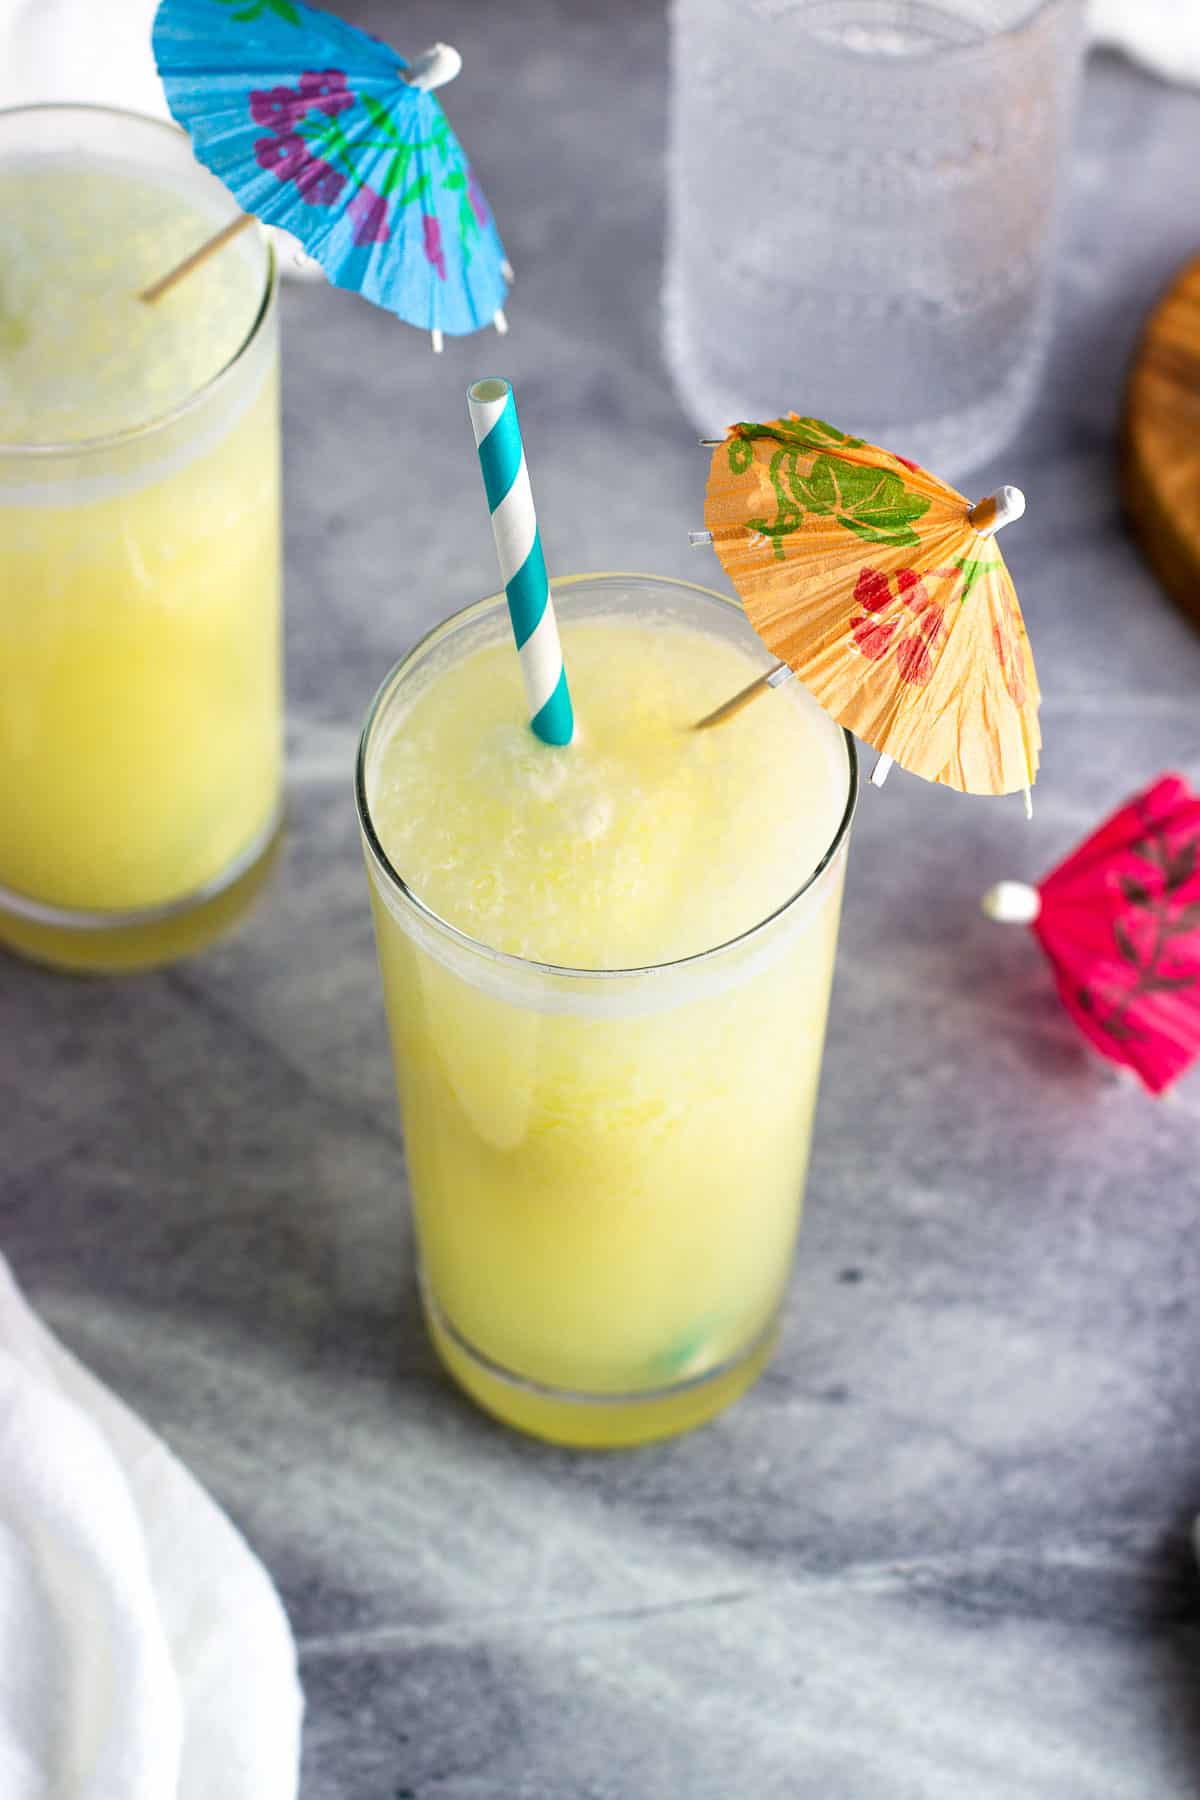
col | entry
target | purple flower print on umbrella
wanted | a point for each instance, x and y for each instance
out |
(324, 130)
(284, 156)
(326, 89)
(434, 253)
(319, 185)
(279, 108)
(370, 214)
(288, 158)
(287, 155)
(479, 205)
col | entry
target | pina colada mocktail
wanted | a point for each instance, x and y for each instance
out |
(606, 970)
(139, 544)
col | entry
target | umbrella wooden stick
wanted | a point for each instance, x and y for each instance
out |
(432, 69)
(735, 703)
(218, 241)
(987, 516)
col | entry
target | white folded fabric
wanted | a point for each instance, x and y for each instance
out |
(1162, 35)
(93, 52)
(144, 1653)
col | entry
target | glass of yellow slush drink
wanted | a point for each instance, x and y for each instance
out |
(606, 969)
(140, 685)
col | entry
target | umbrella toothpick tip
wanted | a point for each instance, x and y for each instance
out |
(1012, 903)
(434, 67)
(500, 322)
(699, 539)
(995, 511)
(439, 342)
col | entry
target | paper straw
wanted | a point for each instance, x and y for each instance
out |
(522, 565)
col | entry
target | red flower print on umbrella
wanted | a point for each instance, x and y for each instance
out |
(881, 627)
(1119, 920)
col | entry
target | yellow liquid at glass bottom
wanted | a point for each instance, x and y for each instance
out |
(606, 1207)
(140, 705)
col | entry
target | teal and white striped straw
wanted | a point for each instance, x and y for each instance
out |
(522, 565)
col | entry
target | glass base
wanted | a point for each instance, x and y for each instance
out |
(99, 943)
(593, 1421)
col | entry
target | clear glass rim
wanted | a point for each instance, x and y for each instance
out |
(528, 965)
(148, 427)
(950, 52)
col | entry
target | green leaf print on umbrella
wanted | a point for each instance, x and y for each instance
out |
(872, 503)
(246, 11)
(802, 434)
(973, 569)
(794, 433)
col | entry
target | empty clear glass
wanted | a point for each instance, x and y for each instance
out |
(862, 207)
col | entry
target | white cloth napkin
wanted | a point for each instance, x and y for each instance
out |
(144, 1653)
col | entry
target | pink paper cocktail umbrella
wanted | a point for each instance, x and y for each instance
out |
(1120, 923)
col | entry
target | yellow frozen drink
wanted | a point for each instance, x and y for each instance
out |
(606, 969)
(139, 545)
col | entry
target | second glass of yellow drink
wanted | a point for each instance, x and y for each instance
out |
(140, 682)
(606, 968)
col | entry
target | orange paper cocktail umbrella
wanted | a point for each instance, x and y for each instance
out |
(885, 592)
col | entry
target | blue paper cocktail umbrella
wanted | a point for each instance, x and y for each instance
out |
(326, 131)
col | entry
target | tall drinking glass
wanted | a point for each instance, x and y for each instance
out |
(140, 694)
(606, 1163)
(861, 213)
